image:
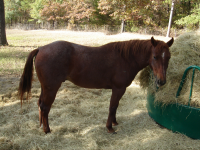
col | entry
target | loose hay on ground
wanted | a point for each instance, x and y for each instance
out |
(184, 52)
(79, 123)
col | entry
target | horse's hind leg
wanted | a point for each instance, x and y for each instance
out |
(46, 100)
(39, 102)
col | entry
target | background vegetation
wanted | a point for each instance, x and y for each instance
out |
(135, 13)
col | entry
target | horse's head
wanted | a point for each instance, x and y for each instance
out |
(159, 59)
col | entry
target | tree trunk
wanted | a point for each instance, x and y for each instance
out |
(3, 40)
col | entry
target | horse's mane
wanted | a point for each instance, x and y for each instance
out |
(132, 47)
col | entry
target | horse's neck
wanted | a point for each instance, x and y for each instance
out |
(142, 58)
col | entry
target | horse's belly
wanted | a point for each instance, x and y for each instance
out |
(91, 81)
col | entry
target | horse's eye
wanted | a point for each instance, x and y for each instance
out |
(154, 57)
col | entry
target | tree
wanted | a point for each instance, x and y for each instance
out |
(192, 20)
(36, 8)
(98, 18)
(17, 11)
(137, 12)
(72, 11)
(12, 12)
(55, 12)
(3, 40)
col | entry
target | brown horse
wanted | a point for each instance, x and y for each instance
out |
(111, 66)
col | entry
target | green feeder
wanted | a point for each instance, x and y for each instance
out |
(177, 117)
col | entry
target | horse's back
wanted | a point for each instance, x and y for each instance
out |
(95, 67)
(90, 67)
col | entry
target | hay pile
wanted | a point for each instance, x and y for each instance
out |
(184, 52)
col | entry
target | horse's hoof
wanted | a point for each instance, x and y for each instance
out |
(47, 131)
(114, 133)
(111, 131)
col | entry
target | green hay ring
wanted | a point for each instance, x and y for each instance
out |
(177, 117)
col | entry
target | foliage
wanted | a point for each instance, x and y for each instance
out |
(53, 11)
(17, 10)
(139, 12)
(72, 11)
(36, 8)
(11, 10)
(154, 13)
(190, 20)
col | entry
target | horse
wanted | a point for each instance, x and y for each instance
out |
(110, 66)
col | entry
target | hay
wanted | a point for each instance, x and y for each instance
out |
(77, 121)
(184, 52)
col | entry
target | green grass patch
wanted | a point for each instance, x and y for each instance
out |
(16, 37)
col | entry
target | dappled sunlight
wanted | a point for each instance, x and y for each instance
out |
(9, 104)
(136, 112)
(89, 129)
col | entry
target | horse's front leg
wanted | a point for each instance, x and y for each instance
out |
(117, 93)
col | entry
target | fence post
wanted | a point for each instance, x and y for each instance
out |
(170, 19)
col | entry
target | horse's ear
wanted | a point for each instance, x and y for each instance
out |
(153, 41)
(170, 42)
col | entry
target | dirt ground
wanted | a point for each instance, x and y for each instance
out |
(78, 116)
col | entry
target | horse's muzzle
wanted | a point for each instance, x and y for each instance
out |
(160, 82)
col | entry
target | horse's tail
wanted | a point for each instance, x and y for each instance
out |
(27, 76)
